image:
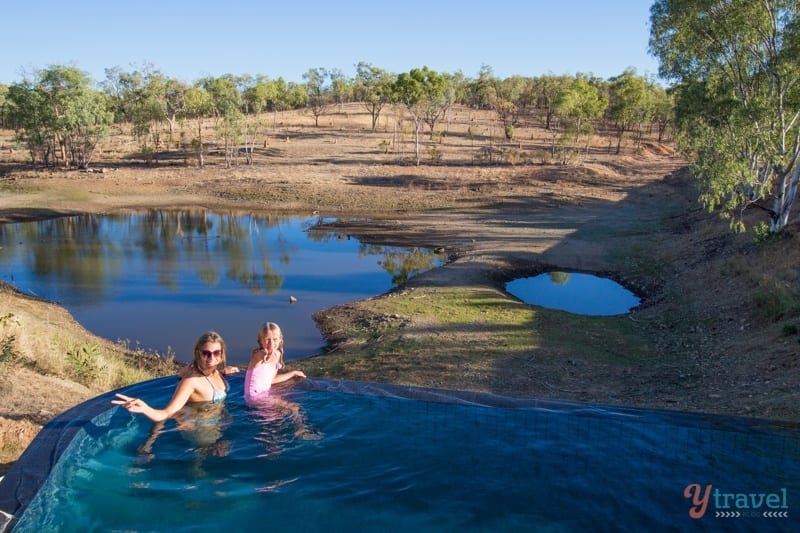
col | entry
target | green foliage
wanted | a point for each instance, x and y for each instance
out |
(267, 95)
(83, 363)
(424, 92)
(434, 154)
(8, 351)
(581, 106)
(147, 153)
(737, 99)
(199, 103)
(6, 319)
(761, 232)
(373, 87)
(319, 93)
(630, 103)
(59, 117)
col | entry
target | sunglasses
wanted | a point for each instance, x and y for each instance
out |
(209, 353)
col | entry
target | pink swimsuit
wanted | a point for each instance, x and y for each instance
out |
(258, 380)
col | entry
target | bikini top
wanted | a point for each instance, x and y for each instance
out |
(218, 395)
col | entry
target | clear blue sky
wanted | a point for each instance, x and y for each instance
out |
(189, 40)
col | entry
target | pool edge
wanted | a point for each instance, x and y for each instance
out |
(23, 480)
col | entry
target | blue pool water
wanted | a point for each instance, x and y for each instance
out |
(346, 456)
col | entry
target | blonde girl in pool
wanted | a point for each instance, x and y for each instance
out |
(262, 373)
(265, 362)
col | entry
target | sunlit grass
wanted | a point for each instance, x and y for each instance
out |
(411, 336)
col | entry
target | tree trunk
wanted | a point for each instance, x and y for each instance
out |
(200, 142)
(783, 203)
(417, 124)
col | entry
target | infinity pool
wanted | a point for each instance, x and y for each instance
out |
(347, 456)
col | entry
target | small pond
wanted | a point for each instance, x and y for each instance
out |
(577, 293)
(158, 279)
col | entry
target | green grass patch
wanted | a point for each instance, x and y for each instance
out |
(452, 331)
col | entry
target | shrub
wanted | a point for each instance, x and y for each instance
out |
(83, 363)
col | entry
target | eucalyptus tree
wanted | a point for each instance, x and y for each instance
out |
(433, 98)
(88, 123)
(122, 89)
(146, 99)
(147, 114)
(736, 68)
(199, 107)
(373, 88)
(157, 103)
(59, 116)
(507, 100)
(546, 91)
(423, 92)
(529, 97)
(341, 87)
(580, 106)
(27, 109)
(318, 91)
(224, 94)
(297, 96)
(173, 93)
(630, 104)
(663, 109)
(481, 89)
(4, 105)
(460, 86)
(228, 116)
(264, 94)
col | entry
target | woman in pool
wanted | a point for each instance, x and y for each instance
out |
(265, 362)
(204, 383)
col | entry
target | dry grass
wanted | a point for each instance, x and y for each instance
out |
(49, 362)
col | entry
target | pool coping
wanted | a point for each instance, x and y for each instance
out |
(22, 482)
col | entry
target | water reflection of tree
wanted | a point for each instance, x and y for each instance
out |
(401, 264)
(248, 249)
(71, 248)
(327, 236)
(89, 252)
(559, 278)
(207, 238)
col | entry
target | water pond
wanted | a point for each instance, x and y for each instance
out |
(158, 279)
(574, 292)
